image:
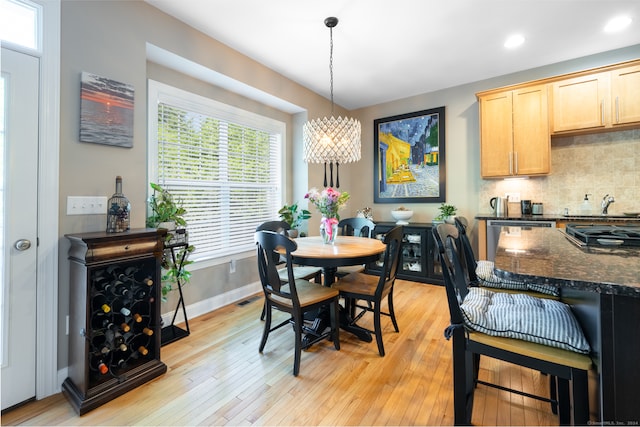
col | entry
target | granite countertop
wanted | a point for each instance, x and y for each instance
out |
(563, 218)
(545, 255)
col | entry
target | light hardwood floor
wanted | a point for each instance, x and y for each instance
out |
(217, 377)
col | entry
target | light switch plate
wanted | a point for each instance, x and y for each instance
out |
(513, 197)
(81, 205)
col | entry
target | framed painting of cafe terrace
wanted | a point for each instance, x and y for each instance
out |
(409, 157)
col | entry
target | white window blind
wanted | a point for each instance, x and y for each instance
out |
(225, 166)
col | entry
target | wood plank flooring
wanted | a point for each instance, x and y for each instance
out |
(217, 377)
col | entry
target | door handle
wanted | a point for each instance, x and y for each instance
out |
(22, 244)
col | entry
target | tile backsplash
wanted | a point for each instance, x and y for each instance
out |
(595, 164)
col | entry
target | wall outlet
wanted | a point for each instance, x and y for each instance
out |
(232, 266)
(513, 197)
(80, 205)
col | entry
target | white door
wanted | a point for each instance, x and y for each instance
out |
(18, 224)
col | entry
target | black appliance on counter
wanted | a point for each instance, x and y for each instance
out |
(605, 235)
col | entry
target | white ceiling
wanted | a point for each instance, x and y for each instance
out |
(386, 50)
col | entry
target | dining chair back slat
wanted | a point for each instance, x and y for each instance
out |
(361, 227)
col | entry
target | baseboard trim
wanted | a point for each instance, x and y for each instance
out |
(206, 306)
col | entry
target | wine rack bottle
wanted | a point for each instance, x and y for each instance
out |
(101, 303)
(98, 365)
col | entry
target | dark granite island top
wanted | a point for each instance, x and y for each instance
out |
(545, 255)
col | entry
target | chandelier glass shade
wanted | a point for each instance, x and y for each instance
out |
(331, 140)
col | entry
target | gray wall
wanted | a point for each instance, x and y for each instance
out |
(109, 39)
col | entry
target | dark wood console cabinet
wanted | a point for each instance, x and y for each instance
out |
(418, 257)
(114, 319)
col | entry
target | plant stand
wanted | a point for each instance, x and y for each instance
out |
(172, 332)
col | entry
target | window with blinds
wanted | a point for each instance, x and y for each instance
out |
(223, 163)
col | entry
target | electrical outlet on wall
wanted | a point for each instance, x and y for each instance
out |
(513, 197)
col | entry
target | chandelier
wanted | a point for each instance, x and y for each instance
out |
(331, 140)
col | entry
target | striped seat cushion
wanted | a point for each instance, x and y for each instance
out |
(487, 277)
(520, 316)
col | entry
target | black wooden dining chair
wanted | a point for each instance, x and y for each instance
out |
(299, 271)
(373, 289)
(469, 343)
(295, 296)
(361, 227)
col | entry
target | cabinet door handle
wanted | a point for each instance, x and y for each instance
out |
(510, 162)
(617, 111)
(602, 112)
(515, 153)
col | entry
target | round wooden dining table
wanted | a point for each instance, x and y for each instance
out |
(347, 250)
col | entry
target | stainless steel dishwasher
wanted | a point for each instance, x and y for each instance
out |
(512, 230)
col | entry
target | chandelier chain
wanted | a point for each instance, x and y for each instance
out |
(331, 66)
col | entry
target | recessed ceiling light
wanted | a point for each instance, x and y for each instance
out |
(514, 41)
(617, 24)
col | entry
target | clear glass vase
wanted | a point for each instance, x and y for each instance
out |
(328, 230)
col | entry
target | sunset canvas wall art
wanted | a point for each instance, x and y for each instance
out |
(106, 111)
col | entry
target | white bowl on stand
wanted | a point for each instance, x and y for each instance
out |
(402, 217)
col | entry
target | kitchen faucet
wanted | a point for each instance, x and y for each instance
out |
(606, 201)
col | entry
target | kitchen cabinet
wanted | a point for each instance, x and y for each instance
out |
(579, 103)
(514, 132)
(114, 315)
(418, 257)
(597, 101)
(625, 95)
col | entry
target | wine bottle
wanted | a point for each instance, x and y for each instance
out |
(115, 340)
(119, 306)
(100, 344)
(101, 302)
(137, 317)
(119, 289)
(131, 271)
(143, 350)
(115, 271)
(147, 331)
(99, 320)
(140, 293)
(121, 321)
(100, 281)
(118, 210)
(97, 364)
(118, 342)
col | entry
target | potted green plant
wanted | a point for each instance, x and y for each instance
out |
(293, 215)
(447, 212)
(167, 212)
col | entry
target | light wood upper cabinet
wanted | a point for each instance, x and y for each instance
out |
(514, 132)
(597, 101)
(581, 102)
(625, 95)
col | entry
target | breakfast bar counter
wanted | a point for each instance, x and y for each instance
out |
(545, 255)
(602, 286)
